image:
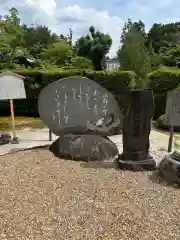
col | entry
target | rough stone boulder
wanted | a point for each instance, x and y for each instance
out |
(169, 169)
(84, 147)
(5, 138)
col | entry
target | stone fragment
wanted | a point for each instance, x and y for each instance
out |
(15, 140)
(169, 168)
(5, 138)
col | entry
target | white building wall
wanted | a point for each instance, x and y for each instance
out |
(112, 65)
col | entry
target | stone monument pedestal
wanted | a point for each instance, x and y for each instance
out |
(147, 163)
(84, 148)
(138, 113)
(169, 167)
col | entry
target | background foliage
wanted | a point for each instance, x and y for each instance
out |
(147, 59)
(116, 82)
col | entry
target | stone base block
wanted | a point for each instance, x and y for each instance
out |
(148, 164)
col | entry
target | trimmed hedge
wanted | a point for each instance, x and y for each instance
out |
(114, 81)
(161, 81)
(164, 79)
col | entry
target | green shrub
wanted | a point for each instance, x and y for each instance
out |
(162, 123)
(114, 81)
(164, 79)
(161, 81)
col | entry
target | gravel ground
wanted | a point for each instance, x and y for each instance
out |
(42, 197)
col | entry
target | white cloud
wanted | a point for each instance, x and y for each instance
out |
(48, 6)
(79, 15)
(61, 20)
(80, 20)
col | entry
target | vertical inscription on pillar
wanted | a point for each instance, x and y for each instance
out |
(136, 123)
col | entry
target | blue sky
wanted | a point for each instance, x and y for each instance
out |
(107, 16)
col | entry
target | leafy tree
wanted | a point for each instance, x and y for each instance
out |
(171, 56)
(11, 37)
(164, 35)
(58, 52)
(94, 46)
(133, 54)
(80, 63)
(38, 38)
(68, 38)
(139, 26)
(165, 39)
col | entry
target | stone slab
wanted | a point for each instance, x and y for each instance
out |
(69, 105)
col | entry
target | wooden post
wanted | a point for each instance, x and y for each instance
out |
(170, 138)
(50, 135)
(12, 118)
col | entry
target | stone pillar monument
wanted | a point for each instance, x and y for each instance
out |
(138, 113)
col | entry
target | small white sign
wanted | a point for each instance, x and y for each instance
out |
(173, 107)
(12, 86)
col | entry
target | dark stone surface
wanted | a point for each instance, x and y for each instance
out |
(149, 164)
(136, 129)
(169, 168)
(5, 138)
(69, 105)
(84, 147)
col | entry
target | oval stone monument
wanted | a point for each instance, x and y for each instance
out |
(82, 113)
(72, 104)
